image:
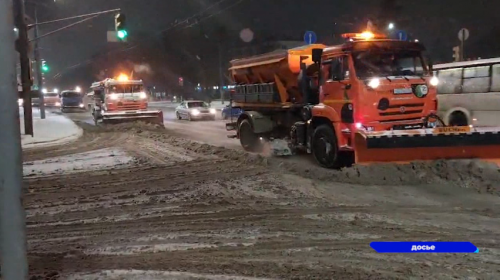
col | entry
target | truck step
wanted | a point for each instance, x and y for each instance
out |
(234, 136)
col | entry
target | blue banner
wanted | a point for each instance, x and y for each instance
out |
(424, 247)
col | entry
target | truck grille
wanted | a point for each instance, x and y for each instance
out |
(129, 106)
(402, 109)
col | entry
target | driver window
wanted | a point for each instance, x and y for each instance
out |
(339, 70)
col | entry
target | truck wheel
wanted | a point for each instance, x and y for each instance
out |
(248, 139)
(324, 147)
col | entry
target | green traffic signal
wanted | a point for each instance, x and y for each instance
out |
(45, 68)
(122, 34)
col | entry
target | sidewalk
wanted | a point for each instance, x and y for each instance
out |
(53, 130)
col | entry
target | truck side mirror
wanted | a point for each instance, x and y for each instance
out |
(316, 55)
(431, 65)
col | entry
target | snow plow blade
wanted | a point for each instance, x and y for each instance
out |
(428, 144)
(155, 117)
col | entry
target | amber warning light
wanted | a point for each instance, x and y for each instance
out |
(367, 35)
(122, 78)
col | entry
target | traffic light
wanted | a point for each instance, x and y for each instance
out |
(45, 67)
(456, 53)
(120, 26)
(181, 81)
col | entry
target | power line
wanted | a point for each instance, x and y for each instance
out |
(58, 75)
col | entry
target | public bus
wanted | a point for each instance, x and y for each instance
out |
(469, 92)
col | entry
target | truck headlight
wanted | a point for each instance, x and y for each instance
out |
(81, 105)
(374, 83)
(143, 95)
(213, 111)
(195, 112)
(113, 96)
(434, 81)
(58, 103)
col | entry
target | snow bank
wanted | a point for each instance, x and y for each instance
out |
(155, 275)
(53, 130)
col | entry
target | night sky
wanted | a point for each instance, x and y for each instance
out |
(434, 22)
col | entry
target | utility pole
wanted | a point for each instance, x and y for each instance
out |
(22, 47)
(221, 75)
(12, 217)
(38, 63)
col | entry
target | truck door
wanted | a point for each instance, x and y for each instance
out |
(335, 91)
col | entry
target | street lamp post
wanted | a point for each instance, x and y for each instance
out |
(39, 80)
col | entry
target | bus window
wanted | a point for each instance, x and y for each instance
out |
(495, 78)
(451, 81)
(476, 79)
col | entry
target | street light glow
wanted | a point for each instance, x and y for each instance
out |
(56, 90)
(44, 90)
(78, 89)
(391, 26)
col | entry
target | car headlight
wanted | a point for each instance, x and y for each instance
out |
(374, 83)
(81, 105)
(143, 95)
(113, 96)
(195, 112)
(212, 111)
(58, 103)
(434, 81)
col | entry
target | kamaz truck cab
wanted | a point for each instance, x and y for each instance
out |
(120, 100)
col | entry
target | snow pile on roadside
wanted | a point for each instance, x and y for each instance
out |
(475, 174)
(53, 130)
(94, 160)
(155, 275)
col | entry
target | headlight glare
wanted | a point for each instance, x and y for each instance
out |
(434, 81)
(374, 83)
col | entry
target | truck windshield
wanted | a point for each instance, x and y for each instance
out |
(126, 88)
(384, 63)
(51, 94)
(71, 94)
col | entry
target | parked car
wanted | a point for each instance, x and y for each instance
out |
(231, 112)
(72, 100)
(194, 110)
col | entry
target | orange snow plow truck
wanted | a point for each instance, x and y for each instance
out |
(121, 100)
(370, 99)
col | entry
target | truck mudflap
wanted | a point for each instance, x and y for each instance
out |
(149, 116)
(427, 144)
